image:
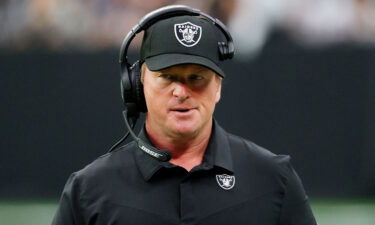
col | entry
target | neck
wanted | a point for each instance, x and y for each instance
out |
(187, 152)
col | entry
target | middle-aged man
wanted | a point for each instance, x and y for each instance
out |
(213, 177)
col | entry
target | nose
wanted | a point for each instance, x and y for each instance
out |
(181, 91)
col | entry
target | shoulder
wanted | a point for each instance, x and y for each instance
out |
(104, 167)
(250, 156)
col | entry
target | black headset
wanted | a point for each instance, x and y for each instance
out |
(131, 86)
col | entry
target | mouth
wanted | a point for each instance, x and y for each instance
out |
(182, 110)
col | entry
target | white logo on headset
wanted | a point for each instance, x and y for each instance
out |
(188, 34)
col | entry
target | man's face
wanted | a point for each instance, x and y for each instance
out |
(180, 99)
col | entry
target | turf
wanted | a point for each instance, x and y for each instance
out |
(29, 212)
(327, 211)
(344, 211)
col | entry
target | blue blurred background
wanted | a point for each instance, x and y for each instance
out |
(302, 83)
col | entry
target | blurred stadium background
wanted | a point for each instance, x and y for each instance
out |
(302, 83)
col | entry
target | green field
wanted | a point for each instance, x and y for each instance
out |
(327, 212)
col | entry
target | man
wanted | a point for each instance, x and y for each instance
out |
(213, 177)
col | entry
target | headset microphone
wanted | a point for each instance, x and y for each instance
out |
(161, 155)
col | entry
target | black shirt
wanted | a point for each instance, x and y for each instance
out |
(237, 183)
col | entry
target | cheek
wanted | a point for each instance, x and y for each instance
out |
(151, 100)
(148, 93)
(211, 99)
(155, 99)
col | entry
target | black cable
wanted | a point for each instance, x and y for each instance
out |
(159, 154)
(118, 143)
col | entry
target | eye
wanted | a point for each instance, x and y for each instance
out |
(195, 77)
(165, 76)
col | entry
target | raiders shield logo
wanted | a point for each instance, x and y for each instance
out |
(188, 34)
(225, 181)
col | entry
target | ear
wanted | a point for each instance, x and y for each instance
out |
(143, 70)
(218, 92)
(142, 77)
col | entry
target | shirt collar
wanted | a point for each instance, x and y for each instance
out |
(220, 149)
(217, 154)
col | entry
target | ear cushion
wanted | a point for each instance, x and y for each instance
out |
(126, 86)
(137, 87)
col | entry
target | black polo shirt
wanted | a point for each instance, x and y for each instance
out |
(237, 183)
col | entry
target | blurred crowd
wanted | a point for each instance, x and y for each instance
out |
(99, 24)
(74, 24)
(311, 23)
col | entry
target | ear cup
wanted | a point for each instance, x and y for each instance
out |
(135, 77)
(132, 89)
(226, 50)
(223, 50)
(126, 86)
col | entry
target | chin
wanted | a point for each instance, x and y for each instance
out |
(185, 128)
